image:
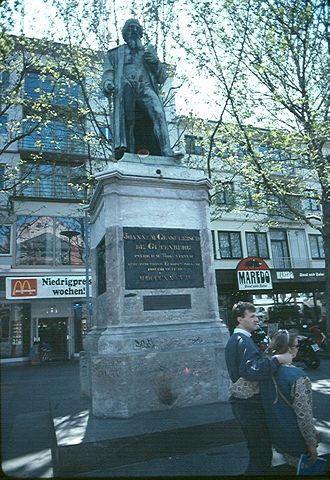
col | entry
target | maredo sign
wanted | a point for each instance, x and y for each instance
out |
(253, 274)
(46, 287)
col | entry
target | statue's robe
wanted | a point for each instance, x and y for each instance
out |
(114, 71)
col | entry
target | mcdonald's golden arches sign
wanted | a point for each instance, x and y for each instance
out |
(24, 287)
(48, 286)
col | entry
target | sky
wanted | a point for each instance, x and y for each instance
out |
(33, 21)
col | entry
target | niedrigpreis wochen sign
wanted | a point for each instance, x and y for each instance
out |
(162, 258)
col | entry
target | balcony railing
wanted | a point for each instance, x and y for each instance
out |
(50, 191)
(291, 262)
(72, 147)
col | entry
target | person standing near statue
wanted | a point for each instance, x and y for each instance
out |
(287, 400)
(247, 367)
(132, 75)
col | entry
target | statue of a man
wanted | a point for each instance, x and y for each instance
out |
(132, 74)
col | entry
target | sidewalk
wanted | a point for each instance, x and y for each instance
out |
(28, 436)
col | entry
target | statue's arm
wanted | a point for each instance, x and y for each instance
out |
(108, 83)
(155, 65)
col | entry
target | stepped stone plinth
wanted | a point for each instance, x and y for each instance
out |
(157, 341)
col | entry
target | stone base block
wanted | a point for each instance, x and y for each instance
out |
(126, 384)
(85, 443)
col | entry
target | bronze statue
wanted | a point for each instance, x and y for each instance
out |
(132, 74)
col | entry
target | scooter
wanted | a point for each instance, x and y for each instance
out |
(319, 337)
(307, 352)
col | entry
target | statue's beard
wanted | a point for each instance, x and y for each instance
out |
(134, 43)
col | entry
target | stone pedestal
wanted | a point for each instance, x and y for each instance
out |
(157, 342)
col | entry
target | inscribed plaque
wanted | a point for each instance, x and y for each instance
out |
(162, 258)
(166, 302)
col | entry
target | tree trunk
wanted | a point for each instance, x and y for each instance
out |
(326, 238)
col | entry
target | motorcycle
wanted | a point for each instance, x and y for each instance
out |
(307, 352)
(319, 337)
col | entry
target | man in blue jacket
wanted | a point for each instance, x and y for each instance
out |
(246, 367)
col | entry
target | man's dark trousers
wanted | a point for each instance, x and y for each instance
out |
(250, 415)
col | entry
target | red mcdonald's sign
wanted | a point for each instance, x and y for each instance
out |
(24, 287)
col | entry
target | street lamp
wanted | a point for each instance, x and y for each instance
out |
(69, 234)
(87, 267)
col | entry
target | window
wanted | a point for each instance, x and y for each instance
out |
(316, 246)
(230, 244)
(50, 241)
(101, 279)
(105, 133)
(280, 159)
(280, 207)
(252, 196)
(263, 149)
(280, 249)
(53, 136)
(51, 181)
(213, 244)
(257, 245)
(2, 176)
(69, 241)
(193, 146)
(4, 323)
(5, 236)
(311, 204)
(249, 199)
(4, 79)
(63, 92)
(225, 195)
(3, 124)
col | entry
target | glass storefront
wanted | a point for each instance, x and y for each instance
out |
(20, 327)
(50, 241)
(15, 321)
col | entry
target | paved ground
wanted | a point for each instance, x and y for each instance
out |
(27, 435)
(26, 430)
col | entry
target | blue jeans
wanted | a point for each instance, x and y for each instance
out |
(251, 418)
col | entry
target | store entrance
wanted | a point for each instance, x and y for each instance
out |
(54, 333)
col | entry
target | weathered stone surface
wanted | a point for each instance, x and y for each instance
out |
(145, 359)
(126, 384)
(157, 338)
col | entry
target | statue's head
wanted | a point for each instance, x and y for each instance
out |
(132, 28)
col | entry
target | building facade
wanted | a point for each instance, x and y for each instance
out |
(294, 255)
(45, 293)
(270, 232)
(43, 226)
(55, 134)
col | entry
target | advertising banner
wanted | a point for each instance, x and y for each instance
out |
(299, 275)
(59, 286)
(253, 274)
